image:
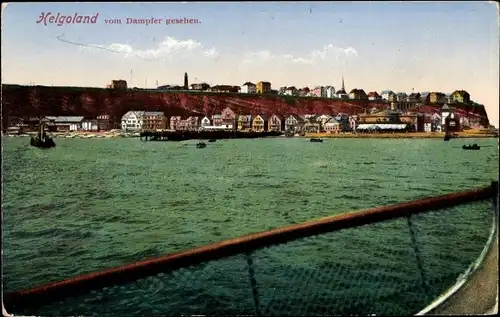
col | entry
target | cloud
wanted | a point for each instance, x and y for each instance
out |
(169, 46)
(327, 53)
(213, 53)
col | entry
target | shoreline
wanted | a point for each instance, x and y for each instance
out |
(410, 135)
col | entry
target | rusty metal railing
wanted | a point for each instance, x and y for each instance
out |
(56, 292)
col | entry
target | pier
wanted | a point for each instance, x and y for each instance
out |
(203, 135)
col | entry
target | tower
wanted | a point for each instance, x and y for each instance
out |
(343, 87)
(186, 86)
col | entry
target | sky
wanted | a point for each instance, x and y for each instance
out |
(375, 46)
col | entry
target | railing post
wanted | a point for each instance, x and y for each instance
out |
(494, 188)
(416, 249)
(253, 284)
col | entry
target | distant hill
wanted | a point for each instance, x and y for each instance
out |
(90, 102)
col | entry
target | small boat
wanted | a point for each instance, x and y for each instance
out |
(201, 145)
(42, 140)
(316, 140)
(471, 147)
(212, 140)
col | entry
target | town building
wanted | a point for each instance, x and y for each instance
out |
(290, 91)
(374, 96)
(248, 88)
(387, 95)
(276, 123)
(228, 116)
(401, 97)
(118, 84)
(90, 125)
(304, 91)
(199, 87)
(460, 96)
(224, 88)
(437, 98)
(65, 123)
(311, 124)
(191, 123)
(263, 87)
(332, 126)
(390, 120)
(175, 123)
(322, 119)
(353, 122)
(343, 120)
(414, 97)
(217, 120)
(330, 92)
(260, 123)
(103, 122)
(446, 112)
(403, 105)
(205, 122)
(153, 120)
(449, 98)
(318, 91)
(358, 94)
(294, 123)
(244, 122)
(425, 98)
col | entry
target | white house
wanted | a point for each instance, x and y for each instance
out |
(248, 88)
(386, 94)
(322, 119)
(89, 125)
(446, 112)
(205, 122)
(332, 126)
(290, 91)
(330, 92)
(132, 120)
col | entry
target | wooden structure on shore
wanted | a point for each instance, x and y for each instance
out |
(203, 135)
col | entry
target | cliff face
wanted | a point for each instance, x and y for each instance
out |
(91, 102)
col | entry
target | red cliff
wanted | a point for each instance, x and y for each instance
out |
(91, 102)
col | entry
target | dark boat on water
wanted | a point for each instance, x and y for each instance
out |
(42, 140)
(212, 140)
(316, 140)
(201, 145)
(471, 147)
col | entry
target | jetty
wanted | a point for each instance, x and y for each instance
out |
(203, 135)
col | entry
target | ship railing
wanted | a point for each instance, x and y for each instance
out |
(402, 259)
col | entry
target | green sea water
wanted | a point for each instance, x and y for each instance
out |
(91, 204)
